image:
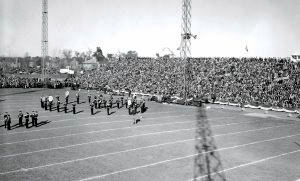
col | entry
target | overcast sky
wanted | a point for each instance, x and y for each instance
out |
(224, 27)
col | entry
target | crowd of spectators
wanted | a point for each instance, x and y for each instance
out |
(19, 82)
(261, 81)
(29, 82)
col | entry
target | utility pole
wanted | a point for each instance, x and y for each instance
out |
(44, 42)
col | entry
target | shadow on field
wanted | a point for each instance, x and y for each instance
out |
(112, 113)
(43, 123)
(25, 92)
(207, 162)
(96, 112)
(79, 111)
(15, 126)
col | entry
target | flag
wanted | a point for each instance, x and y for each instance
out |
(246, 48)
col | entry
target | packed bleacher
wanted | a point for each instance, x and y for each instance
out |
(14, 81)
(268, 82)
(257, 81)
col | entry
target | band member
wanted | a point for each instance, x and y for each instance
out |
(129, 106)
(118, 103)
(57, 105)
(32, 115)
(99, 102)
(129, 93)
(95, 102)
(46, 103)
(20, 116)
(35, 118)
(110, 101)
(42, 102)
(50, 102)
(57, 97)
(27, 120)
(143, 106)
(92, 109)
(74, 108)
(67, 96)
(77, 97)
(104, 103)
(89, 98)
(8, 122)
(135, 107)
(5, 119)
(65, 107)
(122, 101)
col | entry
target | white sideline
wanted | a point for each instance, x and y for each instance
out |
(249, 163)
(180, 158)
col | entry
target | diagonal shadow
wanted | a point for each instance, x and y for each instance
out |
(79, 111)
(43, 123)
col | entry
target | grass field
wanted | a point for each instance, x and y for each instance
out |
(252, 145)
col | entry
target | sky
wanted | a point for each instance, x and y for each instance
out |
(269, 28)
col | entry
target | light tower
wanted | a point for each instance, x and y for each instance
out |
(207, 162)
(44, 42)
(185, 46)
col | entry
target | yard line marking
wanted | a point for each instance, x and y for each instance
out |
(62, 127)
(74, 134)
(188, 156)
(104, 130)
(143, 166)
(73, 120)
(95, 116)
(250, 163)
(88, 124)
(114, 139)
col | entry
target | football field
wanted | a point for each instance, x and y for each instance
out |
(251, 144)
